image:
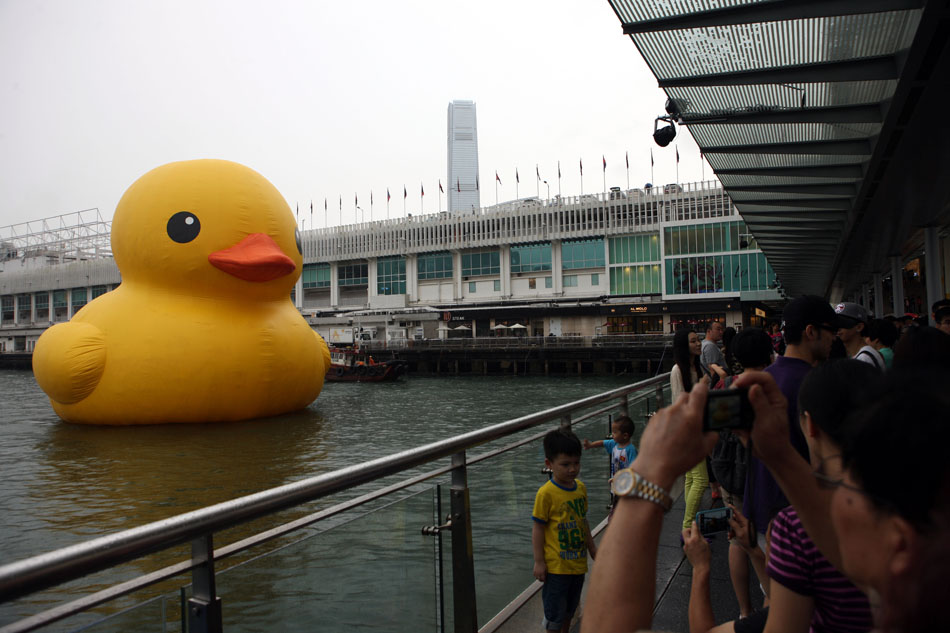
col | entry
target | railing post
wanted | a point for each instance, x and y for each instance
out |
(566, 422)
(204, 607)
(463, 560)
(659, 397)
(625, 405)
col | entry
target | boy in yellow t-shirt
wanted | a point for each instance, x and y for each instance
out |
(561, 536)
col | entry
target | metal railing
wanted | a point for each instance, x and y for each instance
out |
(524, 342)
(198, 527)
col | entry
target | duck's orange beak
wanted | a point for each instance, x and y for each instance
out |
(255, 258)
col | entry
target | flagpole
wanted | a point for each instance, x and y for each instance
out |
(440, 196)
(652, 179)
(341, 209)
(627, 155)
(605, 174)
(677, 164)
(538, 174)
(422, 199)
(405, 195)
(581, 163)
(517, 184)
(559, 180)
(370, 206)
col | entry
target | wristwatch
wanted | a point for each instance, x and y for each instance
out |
(628, 483)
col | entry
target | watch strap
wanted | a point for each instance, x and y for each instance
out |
(646, 489)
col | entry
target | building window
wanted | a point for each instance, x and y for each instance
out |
(24, 309)
(715, 237)
(583, 254)
(633, 324)
(471, 287)
(98, 291)
(316, 276)
(595, 279)
(548, 282)
(635, 280)
(635, 248)
(8, 308)
(391, 276)
(41, 302)
(718, 273)
(480, 263)
(570, 281)
(434, 265)
(78, 298)
(530, 258)
(497, 285)
(353, 274)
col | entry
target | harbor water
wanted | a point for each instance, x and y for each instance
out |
(369, 569)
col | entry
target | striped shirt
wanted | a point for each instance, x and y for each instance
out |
(796, 563)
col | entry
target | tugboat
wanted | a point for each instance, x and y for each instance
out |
(354, 365)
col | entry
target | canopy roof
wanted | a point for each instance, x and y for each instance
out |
(822, 119)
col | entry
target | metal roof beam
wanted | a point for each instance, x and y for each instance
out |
(861, 113)
(792, 216)
(876, 68)
(841, 147)
(768, 11)
(854, 170)
(840, 204)
(831, 189)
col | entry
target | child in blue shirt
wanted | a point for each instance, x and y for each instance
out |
(621, 450)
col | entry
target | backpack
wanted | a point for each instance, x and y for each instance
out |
(730, 462)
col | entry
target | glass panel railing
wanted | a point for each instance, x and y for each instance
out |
(162, 614)
(372, 572)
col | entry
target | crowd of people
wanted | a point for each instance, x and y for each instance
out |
(839, 493)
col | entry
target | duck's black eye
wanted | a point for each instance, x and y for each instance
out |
(183, 227)
(297, 239)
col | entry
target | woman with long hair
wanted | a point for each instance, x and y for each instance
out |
(687, 371)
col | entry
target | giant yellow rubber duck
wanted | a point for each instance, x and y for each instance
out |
(202, 328)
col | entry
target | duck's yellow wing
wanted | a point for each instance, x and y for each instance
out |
(68, 361)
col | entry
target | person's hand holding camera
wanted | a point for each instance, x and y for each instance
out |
(673, 441)
(741, 530)
(769, 431)
(696, 548)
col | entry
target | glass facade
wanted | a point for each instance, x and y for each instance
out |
(582, 254)
(530, 258)
(316, 276)
(635, 280)
(718, 273)
(353, 274)
(23, 308)
(570, 281)
(633, 249)
(716, 237)
(391, 276)
(434, 265)
(98, 291)
(486, 262)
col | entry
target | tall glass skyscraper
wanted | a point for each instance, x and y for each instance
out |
(463, 183)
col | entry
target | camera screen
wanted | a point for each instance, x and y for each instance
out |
(724, 411)
(712, 521)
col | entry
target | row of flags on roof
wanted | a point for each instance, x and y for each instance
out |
(458, 184)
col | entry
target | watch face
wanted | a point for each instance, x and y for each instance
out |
(623, 483)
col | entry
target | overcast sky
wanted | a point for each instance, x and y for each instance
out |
(325, 99)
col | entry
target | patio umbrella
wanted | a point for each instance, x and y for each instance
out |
(518, 326)
(500, 326)
(463, 327)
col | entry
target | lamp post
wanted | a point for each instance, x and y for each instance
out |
(549, 189)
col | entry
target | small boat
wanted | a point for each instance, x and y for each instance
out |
(353, 365)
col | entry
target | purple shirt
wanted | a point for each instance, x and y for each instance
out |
(796, 563)
(762, 497)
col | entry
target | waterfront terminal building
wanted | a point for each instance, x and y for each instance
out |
(641, 261)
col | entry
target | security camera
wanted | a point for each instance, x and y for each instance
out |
(663, 136)
(675, 107)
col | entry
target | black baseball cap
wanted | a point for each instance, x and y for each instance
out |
(811, 310)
